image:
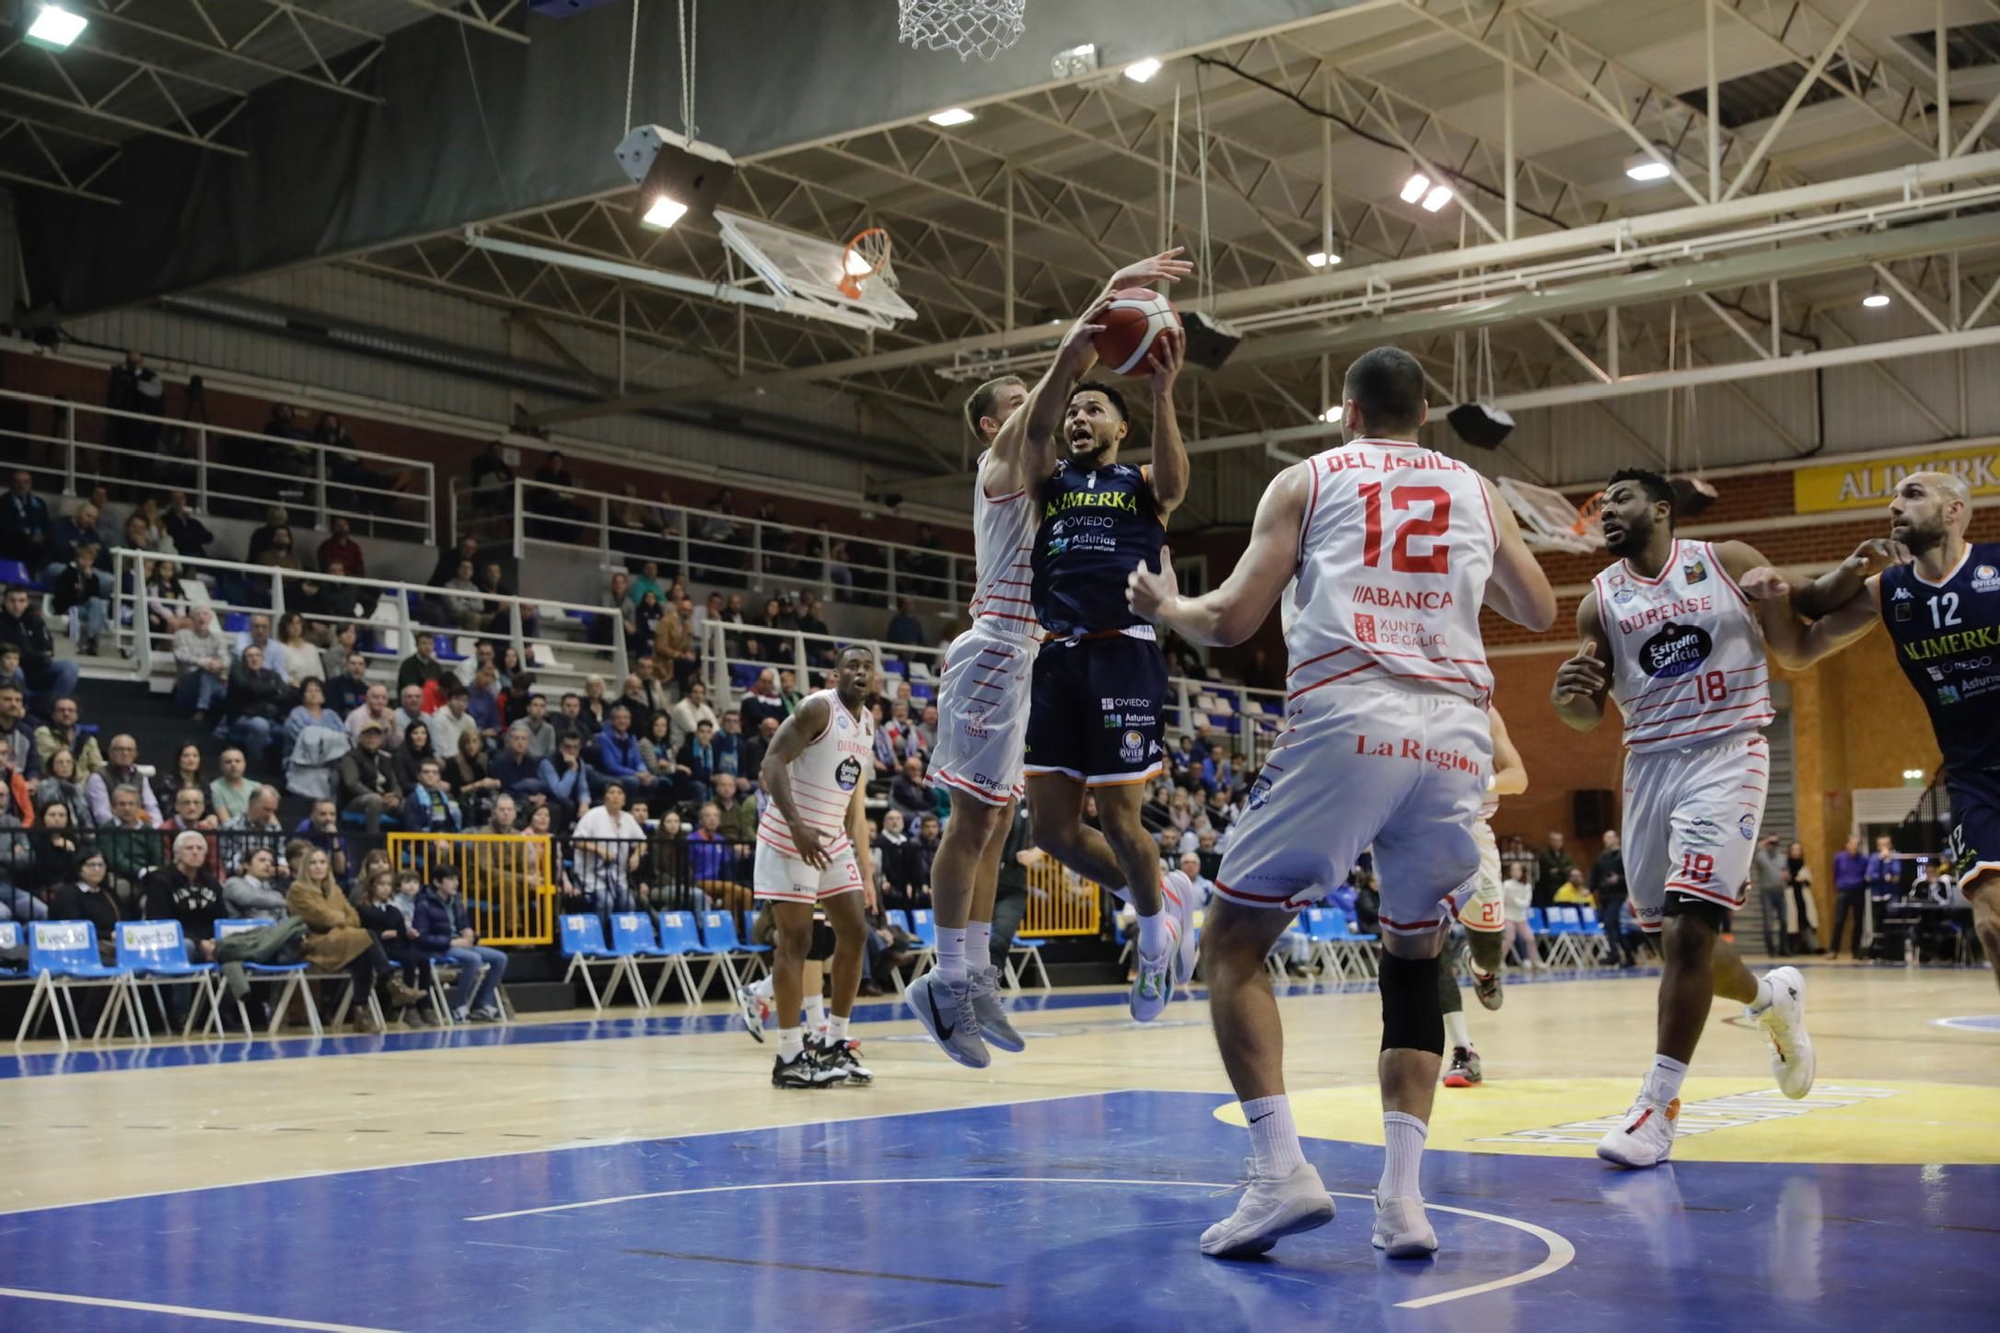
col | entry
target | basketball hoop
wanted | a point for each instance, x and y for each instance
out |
(1586, 524)
(866, 258)
(982, 27)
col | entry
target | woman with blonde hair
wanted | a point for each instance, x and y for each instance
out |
(336, 940)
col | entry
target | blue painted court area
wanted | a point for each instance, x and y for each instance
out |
(1075, 1213)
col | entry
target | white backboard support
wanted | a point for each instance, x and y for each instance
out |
(806, 270)
(1548, 519)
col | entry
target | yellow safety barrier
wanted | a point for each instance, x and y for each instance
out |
(505, 878)
(1060, 902)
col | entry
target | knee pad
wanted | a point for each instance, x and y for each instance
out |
(1412, 1016)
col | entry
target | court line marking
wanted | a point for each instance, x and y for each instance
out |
(1970, 1023)
(1561, 1252)
(186, 1311)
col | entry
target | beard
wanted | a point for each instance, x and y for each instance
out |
(1089, 450)
(1631, 539)
(1922, 536)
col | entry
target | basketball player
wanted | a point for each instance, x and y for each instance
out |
(1097, 720)
(1484, 916)
(1940, 598)
(983, 698)
(1673, 633)
(816, 853)
(1387, 742)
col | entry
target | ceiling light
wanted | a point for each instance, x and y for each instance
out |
(957, 115)
(1439, 196)
(1414, 187)
(664, 212)
(1320, 259)
(1876, 299)
(55, 27)
(676, 176)
(1141, 70)
(1331, 416)
(1650, 165)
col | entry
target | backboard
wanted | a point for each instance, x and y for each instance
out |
(1548, 520)
(806, 271)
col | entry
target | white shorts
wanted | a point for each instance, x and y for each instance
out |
(983, 716)
(1485, 908)
(1691, 821)
(1403, 772)
(786, 879)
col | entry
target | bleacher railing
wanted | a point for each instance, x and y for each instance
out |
(508, 880)
(400, 611)
(235, 473)
(1061, 902)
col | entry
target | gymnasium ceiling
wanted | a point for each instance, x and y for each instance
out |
(1313, 122)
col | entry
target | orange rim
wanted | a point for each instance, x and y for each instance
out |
(1586, 513)
(856, 265)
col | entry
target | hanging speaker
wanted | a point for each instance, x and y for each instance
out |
(1481, 425)
(1209, 340)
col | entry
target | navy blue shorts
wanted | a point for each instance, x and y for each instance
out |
(1973, 850)
(1097, 710)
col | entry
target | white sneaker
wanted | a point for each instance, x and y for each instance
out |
(1402, 1231)
(994, 1025)
(1153, 984)
(947, 1012)
(1645, 1137)
(1784, 1024)
(756, 1010)
(1182, 913)
(1271, 1208)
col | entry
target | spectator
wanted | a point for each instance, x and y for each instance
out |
(466, 553)
(310, 712)
(259, 698)
(712, 857)
(1803, 919)
(375, 709)
(64, 732)
(763, 700)
(757, 746)
(615, 758)
(1190, 865)
(145, 530)
(515, 771)
(429, 807)
(913, 882)
(655, 750)
(169, 604)
(483, 703)
(17, 731)
(695, 763)
(729, 746)
(335, 939)
(1552, 869)
(692, 710)
(1218, 771)
(321, 828)
(482, 656)
(170, 782)
(422, 667)
(86, 896)
(1575, 891)
(257, 826)
(135, 388)
(909, 793)
(1850, 894)
(466, 774)
(122, 771)
(735, 808)
(202, 655)
(491, 468)
(675, 645)
(541, 732)
(572, 720)
(277, 523)
(291, 654)
(185, 890)
(635, 702)
(229, 795)
(256, 890)
(1517, 896)
(71, 533)
(1607, 886)
(410, 709)
(83, 593)
(566, 780)
(1515, 852)
(500, 603)
(904, 627)
(1768, 877)
(26, 525)
(367, 785)
(607, 843)
(60, 784)
(410, 757)
(349, 690)
(454, 719)
(40, 864)
(464, 605)
(188, 533)
(340, 546)
(23, 628)
(445, 930)
(892, 846)
(596, 707)
(131, 843)
(1884, 871)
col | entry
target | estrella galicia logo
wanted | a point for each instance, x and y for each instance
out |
(848, 773)
(1675, 651)
(1703, 833)
(1132, 747)
(1747, 826)
(1260, 791)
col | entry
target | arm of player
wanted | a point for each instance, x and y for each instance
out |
(794, 734)
(1232, 613)
(1847, 580)
(1510, 775)
(1790, 641)
(1518, 589)
(1581, 682)
(1169, 472)
(857, 833)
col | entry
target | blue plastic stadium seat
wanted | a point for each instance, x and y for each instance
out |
(235, 622)
(13, 571)
(742, 675)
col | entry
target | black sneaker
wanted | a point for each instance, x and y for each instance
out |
(1464, 1071)
(842, 1059)
(803, 1070)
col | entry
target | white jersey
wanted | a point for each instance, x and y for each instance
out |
(1394, 556)
(824, 777)
(1003, 536)
(1687, 653)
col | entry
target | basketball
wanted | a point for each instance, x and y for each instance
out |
(1134, 318)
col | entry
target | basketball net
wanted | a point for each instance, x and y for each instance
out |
(866, 259)
(970, 27)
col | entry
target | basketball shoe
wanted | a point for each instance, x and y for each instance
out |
(1271, 1208)
(1645, 1137)
(754, 1002)
(1783, 1021)
(1487, 987)
(1402, 1231)
(1178, 893)
(995, 1028)
(803, 1070)
(842, 1059)
(1153, 984)
(949, 1012)
(1464, 1071)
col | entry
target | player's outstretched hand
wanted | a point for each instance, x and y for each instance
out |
(1148, 590)
(1877, 554)
(1079, 348)
(1169, 354)
(1764, 584)
(1166, 266)
(1580, 675)
(811, 850)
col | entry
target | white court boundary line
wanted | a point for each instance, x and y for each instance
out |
(186, 1311)
(1561, 1252)
(1970, 1023)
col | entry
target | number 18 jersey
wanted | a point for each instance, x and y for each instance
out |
(1687, 654)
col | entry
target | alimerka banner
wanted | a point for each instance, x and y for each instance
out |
(1868, 483)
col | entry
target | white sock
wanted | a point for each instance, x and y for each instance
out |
(951, 953)
(790, 1042)
(1403, 1135)
(1274, 1142)
(1663, 1080)
(1153, 936)
(816, 1012)
(1455, 1029)
(979, 944)
(1764, 996)
(836, 1028)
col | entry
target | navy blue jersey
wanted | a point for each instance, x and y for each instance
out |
(1948, 642)
(1097, 526)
